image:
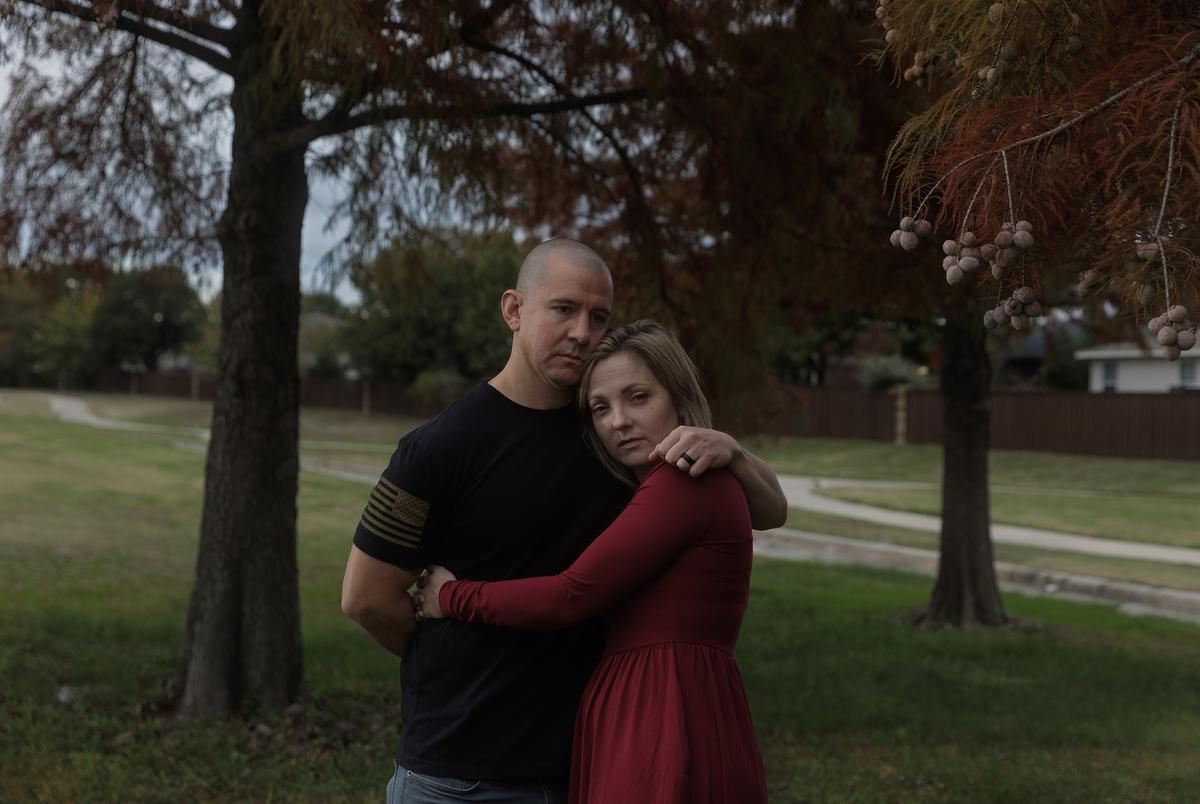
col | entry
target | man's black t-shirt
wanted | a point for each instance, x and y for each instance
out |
(491, 490)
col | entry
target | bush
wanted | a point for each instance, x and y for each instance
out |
(439, 387)
(881, 372)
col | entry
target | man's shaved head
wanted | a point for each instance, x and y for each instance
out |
(537, 262)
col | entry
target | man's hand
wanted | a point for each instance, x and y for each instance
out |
(695, 450)
(429, 586)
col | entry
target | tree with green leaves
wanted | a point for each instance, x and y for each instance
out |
(142, 315)
(1055, 161)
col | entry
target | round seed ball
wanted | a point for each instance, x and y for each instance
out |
(906, 223)
(993, 74)
(923, 228)
(1033, 309)
(1074, 43)
(996, 13)
(998, 271)
(1007, 256)
(1171, 353)
(1004, 239)
(909, 240)
(988, 251)
(954, 274)
(1167, 336)
(1020, 321)
(950, 247)
(1177, 313)
(968, 239)
(1013, 307)
(982, 72)
(1000, 315)
(1024, 295)
(895, 238)
(1146, 294)
(1147, 251)
(1185, 340)
(989, 320)
(910, 73)
(948, 261)
(969, 264)
(1022, 239)
(1155, 324)
(1024, 226)
(891, 36)
(1007, 226)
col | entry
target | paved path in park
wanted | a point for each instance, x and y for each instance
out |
(802, 492)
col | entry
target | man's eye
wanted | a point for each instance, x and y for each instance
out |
(600, 320)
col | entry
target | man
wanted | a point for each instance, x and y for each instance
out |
(501, 485)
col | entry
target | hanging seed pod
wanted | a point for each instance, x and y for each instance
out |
(981, 73)
(909, 240)
(954, 274)
(1024, 226)
(895, 238)
(1004, 239)
(1185, 340)
(1007, 257)
(1024, 295)
(1155, 324)
(1167, 336)
(1074, 44)
(948, 261)
(987, 251)
(891, 36)
(968, 239)
(1171, 353)
(993, 74)
(996, 13)
(989, 320)
(1147, 251)
(951, 247)
(969, 264)
(1007, 226)
(923, 228)
(1013, 307)
(1177, 313)
(1020, 321)
(907, 223)
(1022, 239)
(1146, 294)
(998, 271)
(1000, 315)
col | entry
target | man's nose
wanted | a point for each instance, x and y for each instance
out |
(581, 330)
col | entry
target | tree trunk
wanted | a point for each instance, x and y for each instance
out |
(965, 592)
(243, 647)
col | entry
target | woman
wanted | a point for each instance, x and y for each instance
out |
(664, 717)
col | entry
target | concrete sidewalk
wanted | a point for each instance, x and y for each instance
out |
(801, 493)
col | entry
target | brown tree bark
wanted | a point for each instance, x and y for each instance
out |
(242, 646)
(965, 592)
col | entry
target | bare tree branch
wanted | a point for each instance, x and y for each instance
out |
(201, 29)
(218, 61)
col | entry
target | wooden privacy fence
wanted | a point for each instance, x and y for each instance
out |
(1116, 425)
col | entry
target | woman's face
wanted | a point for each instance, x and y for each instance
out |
(631, 410)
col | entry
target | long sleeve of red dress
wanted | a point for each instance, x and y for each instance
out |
(667, 513)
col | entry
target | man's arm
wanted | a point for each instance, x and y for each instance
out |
(712, 449)
(374, 595)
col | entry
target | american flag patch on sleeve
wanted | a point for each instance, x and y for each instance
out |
(395, 515)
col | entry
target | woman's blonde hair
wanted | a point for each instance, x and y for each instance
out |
(658, 347)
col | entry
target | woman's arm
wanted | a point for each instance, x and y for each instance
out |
(666, 514)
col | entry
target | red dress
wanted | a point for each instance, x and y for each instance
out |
(664, 718)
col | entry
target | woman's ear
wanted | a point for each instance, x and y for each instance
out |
(510, 307)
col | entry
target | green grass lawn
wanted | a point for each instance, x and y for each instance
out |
(97, 544)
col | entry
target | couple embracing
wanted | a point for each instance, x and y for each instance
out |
(589, 545)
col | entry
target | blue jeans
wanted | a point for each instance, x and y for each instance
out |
(410, 787)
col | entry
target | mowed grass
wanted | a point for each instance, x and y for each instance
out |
(97, 544)
(1153, 573)
(1134, 500)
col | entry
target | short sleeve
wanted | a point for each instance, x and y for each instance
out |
(399, 520)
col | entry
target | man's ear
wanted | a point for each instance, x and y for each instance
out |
(510, 307)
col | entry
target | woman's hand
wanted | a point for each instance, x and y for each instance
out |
(429, 586)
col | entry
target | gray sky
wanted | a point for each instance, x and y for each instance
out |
(315, 240)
